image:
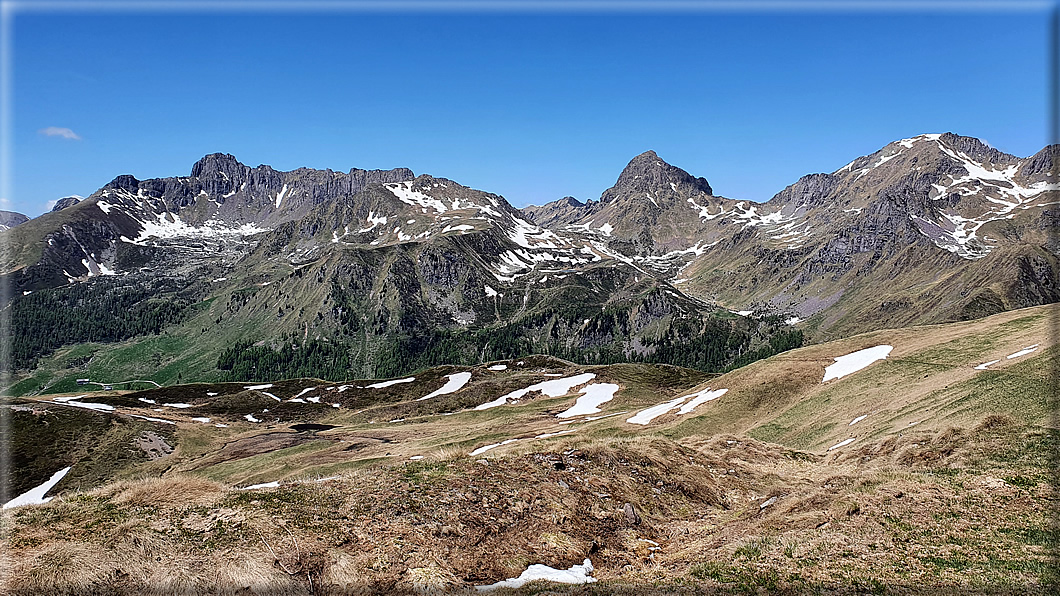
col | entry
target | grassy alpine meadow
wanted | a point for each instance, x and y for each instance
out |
(432, 482)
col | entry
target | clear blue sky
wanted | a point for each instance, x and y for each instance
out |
(528, 105)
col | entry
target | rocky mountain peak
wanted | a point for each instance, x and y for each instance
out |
(126, 182)
(647, 172)
(560, 211)
(65, 202)
(976, 149)
(808, 190)
(216, 162)
(1044, 162)
(365, 177)
(10, 219)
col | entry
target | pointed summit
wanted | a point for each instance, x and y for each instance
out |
(225, 163)
(647, 172)
(65, 202)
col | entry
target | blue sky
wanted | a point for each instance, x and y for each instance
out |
(530, 105)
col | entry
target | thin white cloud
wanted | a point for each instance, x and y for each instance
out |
(57, 131)
(49, 205)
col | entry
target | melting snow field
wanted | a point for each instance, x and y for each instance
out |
(855, 361)
(553, 388)
(593, 396)
(455, 383)
(272, 484)
(383, 384)
(842, 443)
(700, 398)
(35, 496)
(986, 364)
(258, 387)
(1022, 352)
(498, 367)
(646, 416)
(85, 404)
(577, 574)
(486, 448)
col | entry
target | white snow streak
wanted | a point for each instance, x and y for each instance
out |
(384, 384)
(552, 388)
(577, 574)
(646, 416)
(35, 496)
(455, 383)
(1022, 352)
(592, 396)
(700, 398)
(279, 197)
(486, 448)
(842, 443)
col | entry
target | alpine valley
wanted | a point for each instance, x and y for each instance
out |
(253, 381)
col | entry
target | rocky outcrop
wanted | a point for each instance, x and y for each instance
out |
(557, 213)
(647, 173)
(10, 219)
(65, 202)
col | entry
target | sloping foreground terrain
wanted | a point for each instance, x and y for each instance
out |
(921, 465)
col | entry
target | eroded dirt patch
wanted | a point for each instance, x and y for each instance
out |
(153, 445)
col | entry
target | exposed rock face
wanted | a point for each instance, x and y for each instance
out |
(1043, 164)
(392, 270)
(562, 211)
(647, 173)
(65, 202)
(808, 191)
(932, 207)
(10, 219)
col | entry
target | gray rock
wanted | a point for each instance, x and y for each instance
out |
(10, 219)
(63, 203)
(631, 514)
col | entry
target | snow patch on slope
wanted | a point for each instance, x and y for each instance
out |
(551, 388)
(855, 361)
(35, 496)
(455, 383)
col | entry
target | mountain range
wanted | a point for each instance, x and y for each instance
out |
(257, 273)
(314, 382)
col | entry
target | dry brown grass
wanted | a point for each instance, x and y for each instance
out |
(167, 491)
(956, 503)
(63, 567)
(444, 525)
